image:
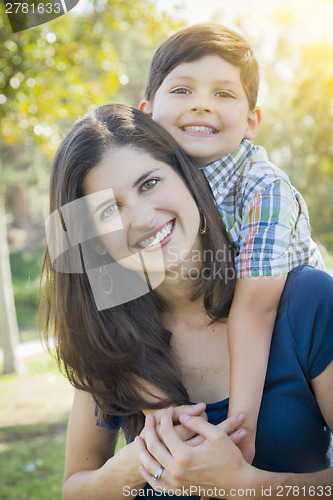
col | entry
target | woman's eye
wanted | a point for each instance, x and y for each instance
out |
(109, 211)
(150, 184)
(181, 90)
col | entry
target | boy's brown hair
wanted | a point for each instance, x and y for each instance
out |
(195, 42)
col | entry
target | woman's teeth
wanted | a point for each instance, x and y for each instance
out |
(154, 240)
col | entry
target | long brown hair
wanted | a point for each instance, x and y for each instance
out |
(111, 353)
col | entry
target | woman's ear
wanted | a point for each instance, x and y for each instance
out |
(146, 107)
(253, 124)
(98, 246)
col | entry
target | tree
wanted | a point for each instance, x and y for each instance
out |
(9, 331)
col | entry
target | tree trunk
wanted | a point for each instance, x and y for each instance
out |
(18, 205)
(8, 322)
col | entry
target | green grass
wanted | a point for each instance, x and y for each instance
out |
(32, 461)
(32, 456)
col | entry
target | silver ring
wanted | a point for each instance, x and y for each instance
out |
(158, 474)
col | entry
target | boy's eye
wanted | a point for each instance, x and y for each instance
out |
(224, 93)
(181, 90)
(150, 184)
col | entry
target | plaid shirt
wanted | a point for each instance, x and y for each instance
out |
(266, 218)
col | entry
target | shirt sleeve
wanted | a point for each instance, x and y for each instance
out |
(275, 234)
(111, 423)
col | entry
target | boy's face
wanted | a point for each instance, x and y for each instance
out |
(204, 107)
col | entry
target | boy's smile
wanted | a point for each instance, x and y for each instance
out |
(204, 106)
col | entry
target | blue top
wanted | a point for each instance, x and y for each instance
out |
(292, 435)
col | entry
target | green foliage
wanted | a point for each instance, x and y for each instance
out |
(298, 130)
(51, 74)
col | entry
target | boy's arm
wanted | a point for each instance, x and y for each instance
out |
(250, 326)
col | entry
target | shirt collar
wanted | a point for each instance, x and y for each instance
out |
(229, 163)
(227, 169)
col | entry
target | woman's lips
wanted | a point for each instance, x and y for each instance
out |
(161, 237)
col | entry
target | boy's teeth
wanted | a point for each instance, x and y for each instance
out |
(198, 128)
(154, 240)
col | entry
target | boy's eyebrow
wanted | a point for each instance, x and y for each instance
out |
(190, 78)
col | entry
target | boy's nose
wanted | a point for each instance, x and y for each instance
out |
(202, 104)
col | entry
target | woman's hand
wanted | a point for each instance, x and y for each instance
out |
(216, 462)
(183, 433)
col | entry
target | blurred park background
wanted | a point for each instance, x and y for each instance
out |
(100, 52)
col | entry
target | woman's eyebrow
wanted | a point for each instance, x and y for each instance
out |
(112, 200)
(101, 205)
(143, 176)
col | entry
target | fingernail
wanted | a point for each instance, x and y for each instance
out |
(241, 434)
(184, 417)
(198, 405)
(241, 417)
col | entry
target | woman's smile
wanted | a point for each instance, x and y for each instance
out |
(160, 238)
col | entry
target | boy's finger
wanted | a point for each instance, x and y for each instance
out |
(199, 426)
(238, 436)
(196, 409)
(189, 410)
(196, 440)
(184, 433)
(232, 423)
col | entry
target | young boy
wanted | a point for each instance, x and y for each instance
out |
(202, 87)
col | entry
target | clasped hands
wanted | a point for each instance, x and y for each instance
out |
(192, 451)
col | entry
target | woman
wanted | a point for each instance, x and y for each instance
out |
(133, 205)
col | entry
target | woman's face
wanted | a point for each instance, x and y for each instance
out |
(140, 204)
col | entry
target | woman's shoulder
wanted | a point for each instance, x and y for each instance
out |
(307, 306)
(307, 280)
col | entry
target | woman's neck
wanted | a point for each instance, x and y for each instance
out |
(177, 294)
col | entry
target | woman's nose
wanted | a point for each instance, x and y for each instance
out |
(139, 216)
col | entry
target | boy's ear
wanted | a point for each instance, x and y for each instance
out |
(253, 124)
(146, 107)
